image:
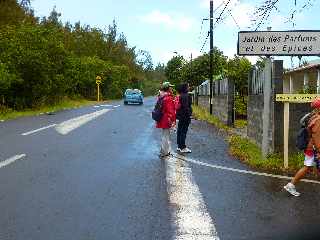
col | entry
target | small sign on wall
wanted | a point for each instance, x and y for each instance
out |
(296, 98)
(279, 43)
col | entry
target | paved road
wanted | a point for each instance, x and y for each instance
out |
(93, 173)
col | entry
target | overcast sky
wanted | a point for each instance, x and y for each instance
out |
(163, 27)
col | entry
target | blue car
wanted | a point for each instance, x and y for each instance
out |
(133, 96)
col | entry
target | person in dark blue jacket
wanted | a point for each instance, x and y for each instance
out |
(184, 113)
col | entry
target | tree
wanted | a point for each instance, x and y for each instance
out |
(238, 70)
(198, 71)
(13, 12)
(173, 70)
(144, 59)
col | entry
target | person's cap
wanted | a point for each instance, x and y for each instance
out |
(315, 103)
(167, 84)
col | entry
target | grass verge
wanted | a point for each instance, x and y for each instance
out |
(6, 113)
(202, 114)
(248, 152)
(240, 123)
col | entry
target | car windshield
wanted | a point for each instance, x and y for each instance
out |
(133, 91)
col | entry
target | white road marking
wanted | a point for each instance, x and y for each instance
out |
(69, 125)
(38, 130)
(240, 170)
(116, 106)
(96, 106)
(11, 160)
(189, 212)
(106, 105)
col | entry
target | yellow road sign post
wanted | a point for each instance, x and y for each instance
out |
(287, 99)
(98, 82)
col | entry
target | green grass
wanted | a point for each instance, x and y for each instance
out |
(247, 151)
(240, 123)
(202, 114)
(6, 113)
(250, 153)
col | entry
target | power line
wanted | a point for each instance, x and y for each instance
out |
(205, 41)
(201, 27)
(266, 13)
(234, 19)
(205, 19)
(225, 6)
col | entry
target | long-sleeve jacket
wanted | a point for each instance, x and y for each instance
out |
(184, 111)
(169, 112)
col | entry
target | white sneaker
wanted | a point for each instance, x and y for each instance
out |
(291, 189)
(185, 150)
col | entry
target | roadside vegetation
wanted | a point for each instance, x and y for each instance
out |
(7, 113)
(204, 115)
(44, 61)
(247, 151)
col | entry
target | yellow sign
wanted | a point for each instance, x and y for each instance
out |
(98, 80)
(296, 98)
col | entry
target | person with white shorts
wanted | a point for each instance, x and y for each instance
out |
(311, 153)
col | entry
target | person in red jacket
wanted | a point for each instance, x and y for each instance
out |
(168, 119)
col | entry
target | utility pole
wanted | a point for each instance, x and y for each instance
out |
(191, 66)
(211, 54)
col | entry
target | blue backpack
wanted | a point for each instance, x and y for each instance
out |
(157, 111)
(303, 137)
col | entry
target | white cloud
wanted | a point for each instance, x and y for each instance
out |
(171, 21)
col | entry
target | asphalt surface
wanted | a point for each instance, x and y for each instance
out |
(104, 180)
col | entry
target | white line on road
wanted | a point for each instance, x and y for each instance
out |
(70, 125)
(188, 208)
(240, 171)
(116, 106)
(11, 160)
(38, 130)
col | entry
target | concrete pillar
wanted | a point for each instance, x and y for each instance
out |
(230, 100)
(266, 108)
(291, 84)
(277, 107)
(305, 81)
(318, 81)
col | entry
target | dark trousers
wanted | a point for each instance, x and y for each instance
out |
(183, 125)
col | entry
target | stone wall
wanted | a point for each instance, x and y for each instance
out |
(220, 106)
(203, 101)
(297, 111)
(275, 133)
(254, 118)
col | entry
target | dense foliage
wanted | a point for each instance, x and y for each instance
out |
(44, 60)
(195, 72)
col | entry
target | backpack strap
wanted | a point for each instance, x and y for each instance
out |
(313, 119)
